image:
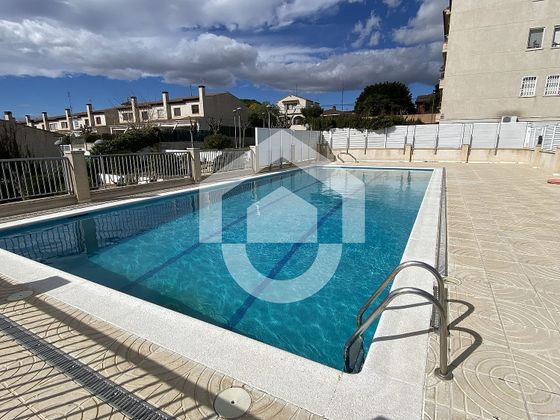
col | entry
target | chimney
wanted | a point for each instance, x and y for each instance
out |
(28, 121)
(201, 99)
(8, 116)
(89, 111)
(68, 118)
(45, 121)
(134, 105)
(166, 106)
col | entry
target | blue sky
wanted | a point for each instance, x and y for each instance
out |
(103, 51)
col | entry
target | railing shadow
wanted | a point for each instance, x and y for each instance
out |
(453, 326)
(123, 358)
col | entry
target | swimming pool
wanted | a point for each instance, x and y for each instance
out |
(152, 251)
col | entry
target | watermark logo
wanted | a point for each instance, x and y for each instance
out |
(283, 217)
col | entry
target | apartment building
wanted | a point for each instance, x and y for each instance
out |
(291, 107)
(501, 60)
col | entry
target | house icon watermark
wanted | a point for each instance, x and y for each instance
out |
(283, 217)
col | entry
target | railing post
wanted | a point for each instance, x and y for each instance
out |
(195, 160)
(556, 167)
(536, 156)
(254, 158)
(78, 174)
(408, 152)
(465, 150)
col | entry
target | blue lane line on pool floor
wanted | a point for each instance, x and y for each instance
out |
(194, 246)
(242, 310)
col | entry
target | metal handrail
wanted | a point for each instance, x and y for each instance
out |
(443, 370)
(391, 277)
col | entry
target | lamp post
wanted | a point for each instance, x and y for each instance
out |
(235, 126)
(268, 113)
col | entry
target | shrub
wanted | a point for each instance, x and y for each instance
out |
(217, 141)
(130, 142)
(360, 122)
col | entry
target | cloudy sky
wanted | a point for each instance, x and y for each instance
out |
(106, 50)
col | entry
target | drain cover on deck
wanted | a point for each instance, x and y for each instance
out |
(232, 403)
(24, 294)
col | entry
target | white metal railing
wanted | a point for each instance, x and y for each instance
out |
(550, 138)
(520, 135)
(22, 179)
(107, 171)
(212, 161)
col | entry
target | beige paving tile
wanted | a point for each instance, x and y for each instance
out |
(527, 297)
(479, 395)
(515, 313)
(518, 280)
(540, 342)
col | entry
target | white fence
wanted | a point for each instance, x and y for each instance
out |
(212, 161)
(106, 171)
(280, 146)
(22, 179)
(447, 136)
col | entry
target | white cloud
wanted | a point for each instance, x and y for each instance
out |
(392, 3)
(367, 31)
(175, 41)
(426, 26)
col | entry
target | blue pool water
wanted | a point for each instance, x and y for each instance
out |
(152, 251)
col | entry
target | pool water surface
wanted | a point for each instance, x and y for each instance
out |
(152, 251)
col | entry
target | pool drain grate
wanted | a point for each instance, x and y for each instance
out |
(109, 392)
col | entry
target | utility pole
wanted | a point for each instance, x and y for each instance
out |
(235, 127)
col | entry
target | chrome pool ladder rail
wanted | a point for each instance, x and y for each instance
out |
(443, 370)
(439, 302)
(391, 277)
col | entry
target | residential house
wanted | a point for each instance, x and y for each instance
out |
(182, 111)
(501, 60)
(291, 106)
(73, 123)
(169, 112)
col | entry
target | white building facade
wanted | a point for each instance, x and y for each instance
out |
(290, 107)
(501, 60)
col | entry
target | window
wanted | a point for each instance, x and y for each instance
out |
(160, 113)
(86, 122)
(145, 116)
(127, 116)
(176, 112)
(535, 38)
(552, 87)
(75, 124)
(195, 109)
(528, 86)
(556, 37)
(98, 120)
(62, 125)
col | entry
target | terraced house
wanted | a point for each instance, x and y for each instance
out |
(168, 112)
(501, 60)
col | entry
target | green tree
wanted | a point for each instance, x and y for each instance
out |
(311, 114)
(259, 113)
(388, 98)
(434, 105)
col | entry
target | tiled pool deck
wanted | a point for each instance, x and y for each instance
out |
(504, 243)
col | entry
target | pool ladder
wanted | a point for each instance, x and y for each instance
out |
(354, 349)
